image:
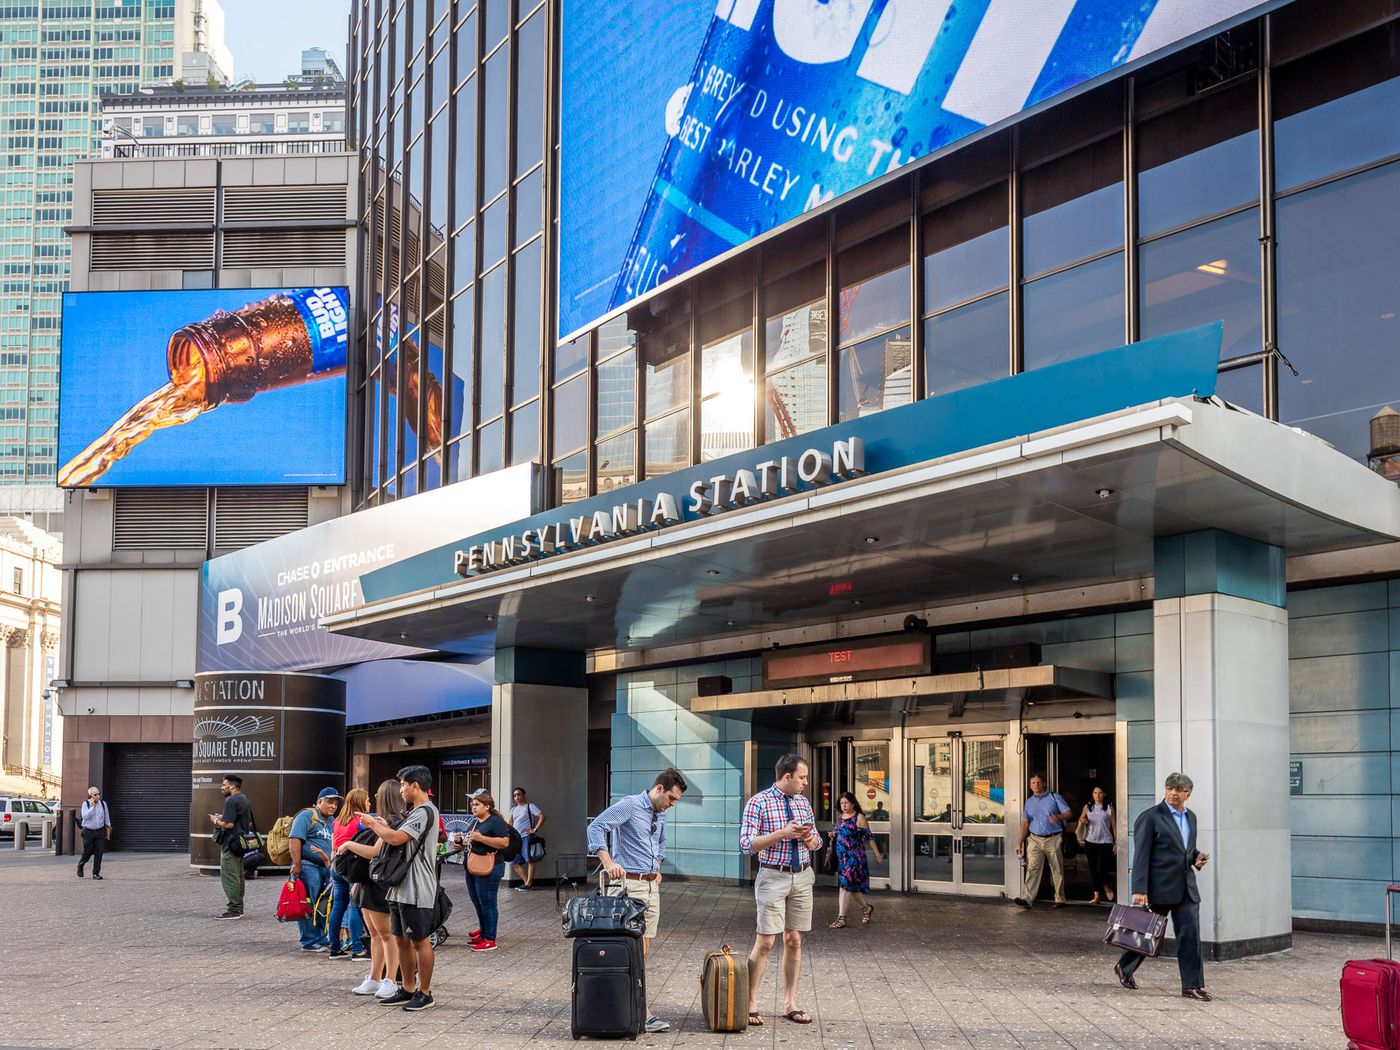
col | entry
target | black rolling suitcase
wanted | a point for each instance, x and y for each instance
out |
(610, 987)
(609, 978)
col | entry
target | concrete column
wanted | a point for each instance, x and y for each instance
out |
(539, 741)
(1221, 717)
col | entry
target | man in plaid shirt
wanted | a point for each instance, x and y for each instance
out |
(779, 826)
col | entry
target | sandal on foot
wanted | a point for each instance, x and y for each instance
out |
(865, 914)
(837, 924)
(798, 1017)
(755, 1019)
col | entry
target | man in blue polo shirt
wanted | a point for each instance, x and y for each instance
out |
(310, 843)
(1042, 821)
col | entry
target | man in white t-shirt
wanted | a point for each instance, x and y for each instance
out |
(528, 819)
(413, 899)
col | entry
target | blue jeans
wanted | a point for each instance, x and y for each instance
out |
(344, 912)
(314, 878)
(483, 890)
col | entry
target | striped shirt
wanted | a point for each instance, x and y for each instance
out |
(770, 811)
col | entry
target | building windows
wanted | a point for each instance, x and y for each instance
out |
(299, 123)
(795, 349)
(875, 360)
(262, 124)
(726, 379)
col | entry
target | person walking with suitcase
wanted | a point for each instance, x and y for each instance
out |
(96, 824)
(1165, 862)
(637, 825)
(780, 827)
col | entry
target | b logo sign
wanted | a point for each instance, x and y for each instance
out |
(230, 625)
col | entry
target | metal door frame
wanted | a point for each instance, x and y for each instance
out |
(1006, 733)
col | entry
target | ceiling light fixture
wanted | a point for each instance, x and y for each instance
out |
(1103, 493)
(588, 597)
(1216, 268)
(712, 572)
(872, 539)
(1015, 577)
(489, 618)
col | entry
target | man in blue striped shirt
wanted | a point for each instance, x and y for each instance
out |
(637, 825)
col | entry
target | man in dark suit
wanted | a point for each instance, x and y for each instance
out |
(1165, 862)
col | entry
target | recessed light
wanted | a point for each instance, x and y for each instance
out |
(712, 572)
(1015, 577)
(489, 618)
(857, 601)
(729, 623)
(588, 597)
(1103, 493)
(872, 539)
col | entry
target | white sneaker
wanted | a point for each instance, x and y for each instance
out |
(367, 987)
(387, 987)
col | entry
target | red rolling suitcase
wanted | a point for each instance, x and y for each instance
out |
(1371, 997)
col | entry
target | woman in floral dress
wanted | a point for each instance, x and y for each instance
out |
(851, 834)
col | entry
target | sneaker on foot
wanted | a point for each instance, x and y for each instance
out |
(80, 871)
(338, 953)
(97, 876)
(366, 987)
(387, 987)
(315, 947)
(231, 915)
(655, 1024)
(363, 953)
(420, 1002)
(521, 888)
(483, 945)
(398, 998)
(474, 935)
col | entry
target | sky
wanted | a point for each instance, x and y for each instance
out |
(267, 36)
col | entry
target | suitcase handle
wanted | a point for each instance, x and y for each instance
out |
(1388, 891)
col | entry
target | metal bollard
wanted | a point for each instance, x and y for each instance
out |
(46, 835)
(21, 835)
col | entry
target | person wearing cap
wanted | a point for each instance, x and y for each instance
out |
(311, 847)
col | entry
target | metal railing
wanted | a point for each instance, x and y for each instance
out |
(144, 150)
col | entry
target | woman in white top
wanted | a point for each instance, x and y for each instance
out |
(1100, 845)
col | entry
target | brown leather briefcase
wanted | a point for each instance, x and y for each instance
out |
(1136, 930)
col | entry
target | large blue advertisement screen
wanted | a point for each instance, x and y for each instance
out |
(236, 386)
(690, 127)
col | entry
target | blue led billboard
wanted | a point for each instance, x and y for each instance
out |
(690, 127)
(232, 386)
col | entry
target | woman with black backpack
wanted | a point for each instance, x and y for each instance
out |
(488, 843)
(343, 909)
(369, 895)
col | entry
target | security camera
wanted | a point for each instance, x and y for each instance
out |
(914, 623)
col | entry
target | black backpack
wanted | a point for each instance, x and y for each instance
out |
(514, 847)
(351, 866)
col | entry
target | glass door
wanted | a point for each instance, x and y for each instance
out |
(959, 825)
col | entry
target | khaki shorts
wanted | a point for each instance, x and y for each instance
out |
(784, 900)
(648, 890)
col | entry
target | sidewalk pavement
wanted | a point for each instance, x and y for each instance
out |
(137, 960)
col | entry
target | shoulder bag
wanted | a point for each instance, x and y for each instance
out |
(251, 841)
(390, 866)
(481, 863)
(537, 846)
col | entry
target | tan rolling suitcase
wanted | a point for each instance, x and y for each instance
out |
(724, 991)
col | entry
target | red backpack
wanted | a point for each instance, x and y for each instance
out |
(292, 903)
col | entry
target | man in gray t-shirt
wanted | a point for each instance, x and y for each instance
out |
(528, 820)
(413, 899)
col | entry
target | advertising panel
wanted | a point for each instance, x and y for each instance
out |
(260, 608)
(228, 386)
(689, 128)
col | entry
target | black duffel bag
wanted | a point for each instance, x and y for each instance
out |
(601, 915)
(351, 866)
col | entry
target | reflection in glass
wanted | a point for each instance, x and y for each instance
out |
(666, 359)
(933, 858)
(493, 342)
(464, 153)
(795, 335)
(874, 305)
(464, 255)
(984, 860)
(796, 400)
(668, 444)
(493, 234)
(571, 478)
(726, 387)
(876, 374)
(617, 391)
(933, 782)
(570, 358)
(432, 473)
(528, 205)
(968, 345)
(1340, 134)
(1243, 387)
(1338, 256)
(437, 197)
(984, 783)
(497, 20)
(489, 450)
(1074, 313)
(968, 248)
(460, 395)
(459, 460)
(570, 415)
(617, 462)
(526, 362)
(525, 434)
(530, 88)
(613, 336)
(372, 429)
(464, 42)
(1211, 180)
(1073, 207)
(408, 484)
(495, 107)
(725, 363)
(1207, 273)
(870, 775)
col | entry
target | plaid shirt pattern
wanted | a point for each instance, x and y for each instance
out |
(768, 812)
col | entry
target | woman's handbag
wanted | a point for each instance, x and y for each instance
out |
(1081, 831)
(1136, 930)
(829, 858)
(481, 863)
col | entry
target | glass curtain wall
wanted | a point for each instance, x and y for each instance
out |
(1191, 210)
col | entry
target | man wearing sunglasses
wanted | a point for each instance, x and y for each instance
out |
(637, 825)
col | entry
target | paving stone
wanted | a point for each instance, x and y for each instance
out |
(138, 961)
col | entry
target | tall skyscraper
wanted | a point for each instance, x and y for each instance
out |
(57, 58)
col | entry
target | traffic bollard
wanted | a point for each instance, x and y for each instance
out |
(21, 836)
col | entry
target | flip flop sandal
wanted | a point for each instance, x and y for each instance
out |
(798, 1017)
(755, 1019)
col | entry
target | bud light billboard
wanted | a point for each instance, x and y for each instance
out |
(690, 127)
(225, 386)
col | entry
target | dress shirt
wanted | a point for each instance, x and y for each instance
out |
(95, 817)
(1183, 824)
(1038, 810)
(770, 811)
(638, 834)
